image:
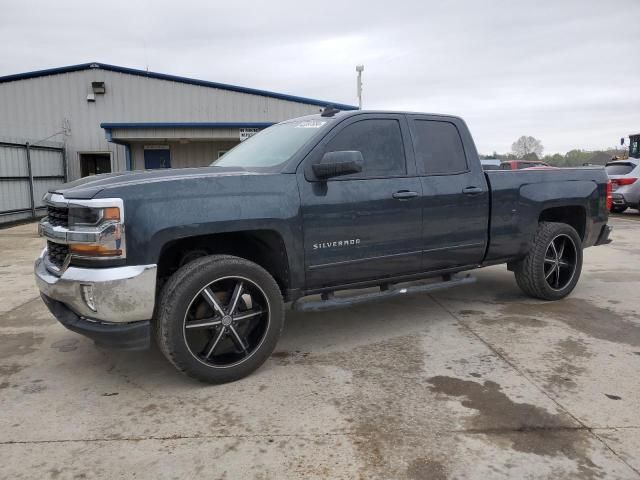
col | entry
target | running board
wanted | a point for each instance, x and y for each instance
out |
(330, 301)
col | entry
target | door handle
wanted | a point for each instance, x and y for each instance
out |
(404, 195)
(472, 190)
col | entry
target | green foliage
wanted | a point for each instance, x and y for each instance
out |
(573, 158)
(577, 158)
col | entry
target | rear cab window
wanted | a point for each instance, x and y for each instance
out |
(438, 148)
(619, 168)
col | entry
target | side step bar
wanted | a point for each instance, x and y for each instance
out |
(330, 301)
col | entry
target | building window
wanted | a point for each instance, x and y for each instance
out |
(222, 152)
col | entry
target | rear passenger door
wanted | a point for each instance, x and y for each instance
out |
(367, 225)
(455, 196)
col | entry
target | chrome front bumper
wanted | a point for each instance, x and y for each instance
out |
(120, 294)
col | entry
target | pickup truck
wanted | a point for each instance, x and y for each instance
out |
(205, 259)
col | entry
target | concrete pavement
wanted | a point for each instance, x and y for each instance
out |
(475, 382)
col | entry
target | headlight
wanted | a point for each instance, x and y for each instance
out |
(82, 232)
(95, 232)
(91, 216)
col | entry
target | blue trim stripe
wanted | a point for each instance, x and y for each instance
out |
(173, 78)
(110, 126)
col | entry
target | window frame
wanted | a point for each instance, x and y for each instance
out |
(421, 169)
(320, 149)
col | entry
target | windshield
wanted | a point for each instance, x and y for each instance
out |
(634, 148)
(619, 168)
(271, 146)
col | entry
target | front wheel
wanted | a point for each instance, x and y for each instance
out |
(219, 318)
(617, 209)
(552, 267)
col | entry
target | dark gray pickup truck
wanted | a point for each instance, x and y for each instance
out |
(204, 259)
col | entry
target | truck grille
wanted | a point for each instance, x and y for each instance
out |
(57, 253)
(58, 216)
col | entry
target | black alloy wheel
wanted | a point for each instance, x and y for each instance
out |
(219, 318)
(226, 321)
(560, 262)
(551, 268)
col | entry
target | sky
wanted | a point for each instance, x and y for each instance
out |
(564, 71)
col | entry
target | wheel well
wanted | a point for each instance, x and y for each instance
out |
(264, 247)
(574, 216)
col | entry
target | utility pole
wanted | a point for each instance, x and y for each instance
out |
(359, 69)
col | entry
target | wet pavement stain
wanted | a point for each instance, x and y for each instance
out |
(387, 407)
(520, 321)
(66, 345)
(497, 410)
(566, 364)
(34, 388)
(19, 344)
(471, 312)
(284, 358)
(30, 314)
(423, 468)
(11, 369)
(585, 317)
(527, 428)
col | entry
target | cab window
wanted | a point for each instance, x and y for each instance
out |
(379, 141)
(438, 148)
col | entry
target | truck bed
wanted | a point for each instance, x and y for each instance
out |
(519, 198)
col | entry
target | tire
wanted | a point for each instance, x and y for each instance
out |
(202, 293)
(618, 209)
(538, 275)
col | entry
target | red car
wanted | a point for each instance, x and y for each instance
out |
(520, 164)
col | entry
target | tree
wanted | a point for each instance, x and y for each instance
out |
(527, 145)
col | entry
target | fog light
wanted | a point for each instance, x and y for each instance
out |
(87, 296)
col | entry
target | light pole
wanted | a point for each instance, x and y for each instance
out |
(359, 69)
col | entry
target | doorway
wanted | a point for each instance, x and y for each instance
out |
(94, 163)
(157, 158)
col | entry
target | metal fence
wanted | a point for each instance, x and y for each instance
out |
(27, 172)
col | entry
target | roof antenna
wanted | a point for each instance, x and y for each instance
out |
(329, 111)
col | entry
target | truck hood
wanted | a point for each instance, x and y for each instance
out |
(89, 187)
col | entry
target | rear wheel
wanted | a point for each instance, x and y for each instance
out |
(552, 267)
(617, 209)
(219, 318)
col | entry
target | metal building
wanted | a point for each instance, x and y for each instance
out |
(104, 118)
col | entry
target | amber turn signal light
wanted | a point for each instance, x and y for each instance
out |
(93, 250)
(111, 213)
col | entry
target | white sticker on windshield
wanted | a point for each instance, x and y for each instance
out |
(311, 124)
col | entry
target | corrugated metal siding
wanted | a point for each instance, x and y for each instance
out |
(39, 107)
(175, 133)
(46, 163)
(14, 178)
(13, 161)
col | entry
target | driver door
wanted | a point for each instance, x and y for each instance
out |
(367, 225)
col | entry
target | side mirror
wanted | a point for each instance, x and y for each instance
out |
(334, 164)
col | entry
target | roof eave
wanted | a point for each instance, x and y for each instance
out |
(173, 78)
